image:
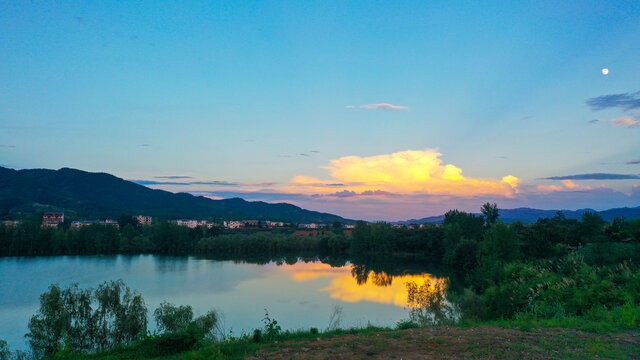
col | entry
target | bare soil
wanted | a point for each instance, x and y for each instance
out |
(484, 342)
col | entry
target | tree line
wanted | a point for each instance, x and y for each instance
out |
(458, 242)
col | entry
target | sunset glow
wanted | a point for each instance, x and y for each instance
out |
(379, 288)
(404, 172)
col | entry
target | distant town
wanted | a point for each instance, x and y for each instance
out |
(55, 219)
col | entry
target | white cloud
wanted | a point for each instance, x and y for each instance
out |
(381, 106)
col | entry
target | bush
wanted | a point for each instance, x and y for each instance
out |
(171, 318)
(272, 329)
(406, 324)
(564, 287)
(257, 335)
(207, 322)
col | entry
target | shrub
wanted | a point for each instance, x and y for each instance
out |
(272, 329)
(406, 324)
(172, 318)
(257, 335)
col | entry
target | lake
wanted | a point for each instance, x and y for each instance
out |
(300, 295)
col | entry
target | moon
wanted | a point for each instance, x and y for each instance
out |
(605, 71)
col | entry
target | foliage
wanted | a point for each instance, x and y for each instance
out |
(555, 271)
(406, 324)
(207, 322)
(5, 353)
(172, 318)
(567, 286)
(88, 319)
(272, 329)
(490, 212)
(427, 304)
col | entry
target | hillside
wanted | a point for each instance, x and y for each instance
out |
(528, 215)
(99, 195)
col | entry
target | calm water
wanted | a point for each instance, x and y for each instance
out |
(298, 296)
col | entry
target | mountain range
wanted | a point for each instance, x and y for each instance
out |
(87, 195)
(528, 215)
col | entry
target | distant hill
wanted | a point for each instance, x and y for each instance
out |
(528, 215)
(84, 194)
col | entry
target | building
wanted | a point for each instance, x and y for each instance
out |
(251, 223)
(242, 224)
(11, 223)
(192, 224)
(312, 226)
(144, 220)
(52, 219)
(81, 223)
(233, 224)
(277, 224)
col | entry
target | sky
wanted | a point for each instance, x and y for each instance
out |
(386, 110)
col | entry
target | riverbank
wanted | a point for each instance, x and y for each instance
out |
(483, 342)
(495, 340)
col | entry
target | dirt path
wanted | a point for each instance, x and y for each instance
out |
(457, 343)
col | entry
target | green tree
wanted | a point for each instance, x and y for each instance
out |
(361, 237)
(464, 256)
(471, 226)
(501, 243)
(207, 322)
(490, 212)
(171, 318)
(119, 317)
(5, 353)
(592, 228)
(126, 219)
(50, 324)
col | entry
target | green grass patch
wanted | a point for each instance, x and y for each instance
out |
(620, 318)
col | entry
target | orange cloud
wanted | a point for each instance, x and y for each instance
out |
(625, 122)
(568, 185)
(549, 188)
(405, 172)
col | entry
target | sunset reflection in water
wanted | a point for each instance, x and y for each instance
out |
(355, 284)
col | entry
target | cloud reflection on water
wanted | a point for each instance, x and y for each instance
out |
(351, 284)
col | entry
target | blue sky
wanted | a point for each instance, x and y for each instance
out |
(247, 97)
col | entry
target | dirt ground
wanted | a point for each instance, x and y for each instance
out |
(486, 342)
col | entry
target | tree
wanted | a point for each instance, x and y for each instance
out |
(360, 239)
(471, 226)
(48, 327)
(5, 353)
(592, 228)
(207, 322)
(125, 219)
(172, 318)
(500, 243)
(490, 212)
(427, 303)
(119, 317)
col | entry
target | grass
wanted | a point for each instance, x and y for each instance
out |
(608, 334)
(620, 318)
